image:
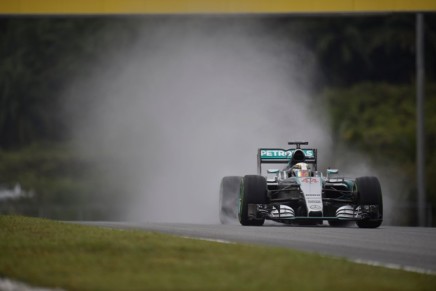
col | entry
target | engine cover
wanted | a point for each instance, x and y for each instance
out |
(312, 189)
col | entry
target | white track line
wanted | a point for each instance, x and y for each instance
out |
(12, 285)
(394, 266)
(357, 261)
(209, 239)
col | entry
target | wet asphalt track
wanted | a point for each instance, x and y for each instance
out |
(411, 248)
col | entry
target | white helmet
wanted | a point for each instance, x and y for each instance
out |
(301, 170)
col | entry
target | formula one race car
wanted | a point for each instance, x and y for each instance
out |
(299, 194)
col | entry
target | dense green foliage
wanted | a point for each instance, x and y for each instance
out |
(39, 56)
(48, 174)
(377, 48)
(56, 182)
(33, 166)
(367, 66)
(74, 257)
(380, 119)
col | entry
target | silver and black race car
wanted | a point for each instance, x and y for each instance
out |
(299, 193)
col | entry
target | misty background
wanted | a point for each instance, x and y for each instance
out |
(189, 103)
(151, 112)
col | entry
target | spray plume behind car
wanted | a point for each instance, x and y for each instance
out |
(186, 102)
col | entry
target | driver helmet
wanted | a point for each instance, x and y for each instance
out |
(301, 170)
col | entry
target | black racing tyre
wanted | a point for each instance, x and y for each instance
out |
(369, 193)
(229, 195)
(253, 191)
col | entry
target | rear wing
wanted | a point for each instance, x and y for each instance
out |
(285, 156)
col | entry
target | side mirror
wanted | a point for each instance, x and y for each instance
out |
(272, 171)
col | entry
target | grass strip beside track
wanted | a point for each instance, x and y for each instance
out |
(74, 257)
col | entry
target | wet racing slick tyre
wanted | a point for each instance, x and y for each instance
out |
(229, 195)
(369, 197)
(253, 191)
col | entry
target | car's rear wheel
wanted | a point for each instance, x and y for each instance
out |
(369, 196)
(229, 195)
(253, 191)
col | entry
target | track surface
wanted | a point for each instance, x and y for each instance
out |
(401, 247)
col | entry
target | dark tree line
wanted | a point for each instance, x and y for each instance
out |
(39, 55)
(379, 48)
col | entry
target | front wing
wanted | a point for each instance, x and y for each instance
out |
(283, 213)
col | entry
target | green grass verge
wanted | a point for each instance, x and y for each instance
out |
(75, 257)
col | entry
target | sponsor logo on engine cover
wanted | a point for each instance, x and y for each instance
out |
(309, 180)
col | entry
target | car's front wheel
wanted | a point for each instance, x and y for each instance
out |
(253, 191)
(370, 200)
